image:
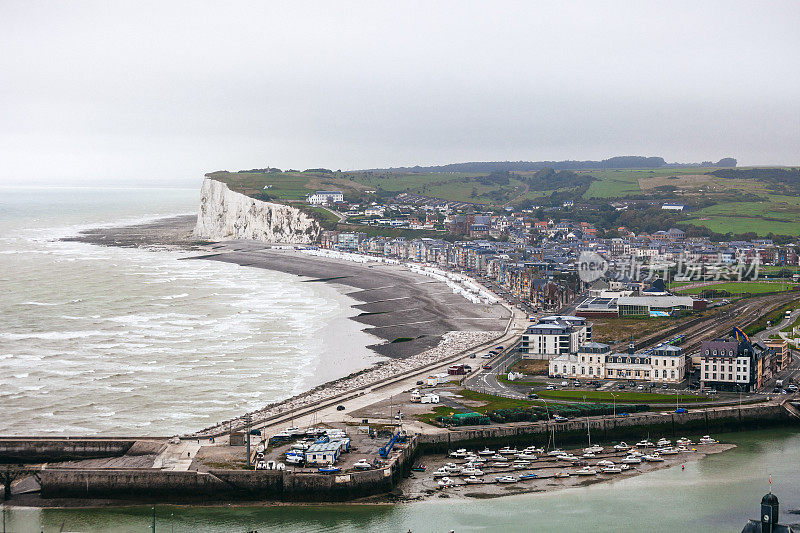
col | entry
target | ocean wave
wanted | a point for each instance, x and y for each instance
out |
(53, 335)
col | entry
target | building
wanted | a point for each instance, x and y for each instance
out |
(555, 335)
(768, 523)
(655, 305)
(594, 360)
(325, 197)
(783, 355)
(326, 453)
(734, 363)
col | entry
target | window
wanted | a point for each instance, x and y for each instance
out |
(673, 362)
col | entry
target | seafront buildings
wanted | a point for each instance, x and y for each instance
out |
(663, 364)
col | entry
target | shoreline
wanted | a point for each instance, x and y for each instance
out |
(419, 319)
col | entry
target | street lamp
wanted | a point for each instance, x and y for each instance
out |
(614, 396)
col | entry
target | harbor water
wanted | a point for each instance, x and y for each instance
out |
(715, 494)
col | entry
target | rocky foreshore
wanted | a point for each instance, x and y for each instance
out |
(453, 342)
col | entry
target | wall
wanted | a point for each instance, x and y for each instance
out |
(226, 215)
(34, 450)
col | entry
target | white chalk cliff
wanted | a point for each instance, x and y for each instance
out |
(225, 214)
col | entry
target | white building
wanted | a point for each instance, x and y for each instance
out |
(594, 360)
(325, 197)
(555, 335)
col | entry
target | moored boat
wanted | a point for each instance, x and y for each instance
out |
(506, 479)
(586, 471)
(622, 446)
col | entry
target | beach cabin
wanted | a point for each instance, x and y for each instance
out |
(325, 453)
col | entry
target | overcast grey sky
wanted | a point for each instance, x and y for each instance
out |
(132, 92)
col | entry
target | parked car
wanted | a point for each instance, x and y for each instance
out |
(565, 383)
(551, 387)
(664, 386)
(420, 382)
(631, 383)
(792, 388)
(340, 407)
(621, 386)
(487, 366)
(776, 390)
(624, 414)
(473, 355)
(558, 418)
(533, 396)
(640, 387)
(681, 410)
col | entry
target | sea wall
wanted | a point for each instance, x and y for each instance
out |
(226, 215)
(37, 449)
(633, 427)
(225, 485)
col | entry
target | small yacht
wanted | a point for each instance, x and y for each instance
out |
(521, 465)
(667, 451)
(506, 479)
(644, 444)
(497, 457)
(586, 471)
(459, 454)
(486, 451)
(593, 449)
(662, 443)
(446, 482)
(472, 472)
(567, 457)
(561, 474)
(527, 476)
(631, 460)
(500, 464)
(684, 441)
(622, 447)
(363, 464)
(589, 455)
(556, 452)
(611, 470)
(526, 456)
(441, 473)
(605, 462)
(508, 451)
(708, 440)
(635, 453)
(534, 449)
(653, 458)
(472, 480)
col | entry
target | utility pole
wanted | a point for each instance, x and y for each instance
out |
(247, 421)
(154, 519)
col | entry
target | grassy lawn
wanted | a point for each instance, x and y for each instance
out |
(781, 215)
(621, 397)
(611, 330)
(491, 402)
(440, 410)
(738, 287)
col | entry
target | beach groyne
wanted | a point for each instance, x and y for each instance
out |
(225, 214)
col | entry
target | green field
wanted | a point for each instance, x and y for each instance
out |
(621, 397)
(740, 287)
(779, 215)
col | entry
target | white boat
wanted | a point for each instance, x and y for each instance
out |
(567, 457)
(644, 444)
(486, 451)
(611, 470)
(506, 479)
(605, 462)
(586, 471)
(521, 465)
(556, 452)
(625, 467)
(450, 466)
(684, 441)
(667, 451)
(362, 465)
(500, 464)
(589, 455)
(472, 472)
(459, 454)
(562, 474)
(708, 440)
(663, 443)
(534, 449)
(630, 460)
(635, 453)
(508, 451)
(497, 457)
(441, 473)
(295, 459)
(526, 457)
(653, 458)
(446, 482)
(472, 480)
(593, 449)
(622, 446)
(299, 446)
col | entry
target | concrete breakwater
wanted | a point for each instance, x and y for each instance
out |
(38, 449)
(605, 429)
(226, 485)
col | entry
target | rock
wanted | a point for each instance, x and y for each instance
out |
(225, 214)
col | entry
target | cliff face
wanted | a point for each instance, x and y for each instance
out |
(225, 214)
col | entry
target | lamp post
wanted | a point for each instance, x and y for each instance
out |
(614, 396)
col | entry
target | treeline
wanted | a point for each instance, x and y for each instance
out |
(781, 179)
(628, 161)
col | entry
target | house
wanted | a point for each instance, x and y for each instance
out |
(734, 363)
(673, 206)
(555, 335)
(325, 197)
(594, 360)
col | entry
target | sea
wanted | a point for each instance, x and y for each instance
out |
(98, 340)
